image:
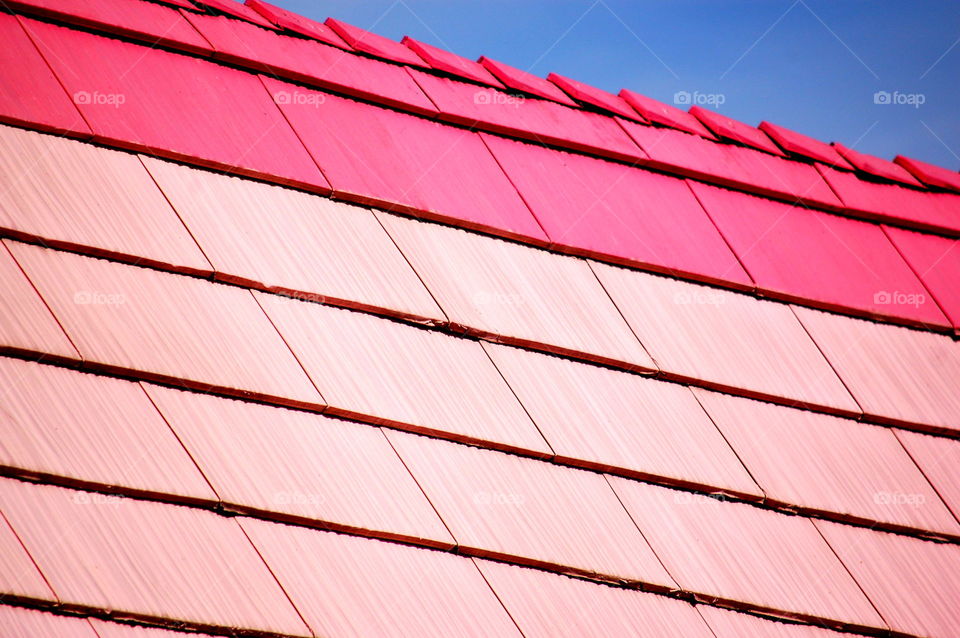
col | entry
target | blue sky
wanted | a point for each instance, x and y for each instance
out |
(811, 65)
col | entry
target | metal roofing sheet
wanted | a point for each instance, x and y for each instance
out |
(938, 458)
(517, 293)
(90, 428)
(894, 373)
(297, 23)
(148, 559)
(524, 81)
(398, 160)
(65, 191)
(914, 584)
(936, 260)
(803, 145)
(500, 504)
(664, 114)
(21, 622)
(595, 97)
(725, 339)
(930, 174)
(352, 587)
(452, 63)
(374, 44)
(618, 212)
(817, 257)
(166, 326)
(237, 10)
(299, 464)
(19, 574)
(176, 105)
(877, 166)
(546, 605)
(26, 322)
(742, 553)
(726, 623)
(382, 370)
(826, 463)
(331, 250)
(731, 129)
(611, 419)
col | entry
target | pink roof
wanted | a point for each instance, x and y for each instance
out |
(451, 63)
(526, 82)
(297, 23)
(595, 97)
(664, 114)
(730, 129)
(801, 144)
(876, 166)
(374, 44)
(930, 174)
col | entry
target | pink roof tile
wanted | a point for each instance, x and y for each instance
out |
(374, 44)
(332, 251)
(175, 105)
(527, 82)
(348, 586)
(115, 208)
(148, 559)
(399, 161)
(936, 260)
(300, 465)
(89, 429)
(595, 97)
(385, 371)
(855, 262)
(913, 583)
(516, 293)
(297, 23)
(896, 374)
(21, 622)
(237, 10)
(452, 63)
(805, 146)
(877, 166)
(725, 339)
(609, 419)
(166, 326)
(19, 575)
(938, 458)
(734, 130)
(744, 554)
(499, 505)
(726, 623)
(930, 174)
(664, 114)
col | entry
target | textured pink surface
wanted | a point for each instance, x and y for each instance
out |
(877, 166)
(70, 192)
(237, 10)
(856, 266)
(595, 97)
(540, 121)
(136, 19)
(610, 419)
(725, 339)
(148, 559)
(169, 104)
(25, 321)
(895, 373)
(401, 161)
(452, 63)
(938, 458)
(300, 464)
(166, 326)
(518, 293)
(384, 371)
(731, 129)
(936, 260)
(930, 174)
(352, 587)
(374, 44)
(737, 166)
(331, 251)
(297, 23)
(548, 605)
(914, 584)
(19, 622)
(664, 114)
(726, 623)
(893, 202)
(94, 429)
(526, 82)
(742, 553)
(310, 62)
(29, 91)
(499, 504)
(800, 144)
(19, 575)
(618, 212)
(825, 463)
(107, 629)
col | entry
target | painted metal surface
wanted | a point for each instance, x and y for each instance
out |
(936, 260)
(525, 82)
(804, 145)
(374, 44)
(727, 623)
(297, 23)
(595, 97)
(237, 10)
(19, 574)
(734, 130)
(930, 174)
(452, 63)
(877, 166)
(664, 114)
(20, 622)
(938, 458)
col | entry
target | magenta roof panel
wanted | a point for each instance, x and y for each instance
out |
(498, 504)
(664, 114)
(300, 465)
(930, 174)
(452, 63)
(805, 146)
(20, 622)
(877, 166)
(400, 161)
(147, 559)
(936, 260)
(19, 575)
(856, 263)
(938, 458)
(349, 586)
(616, 212)
(374, 44)
(518, 294)
(237, 10)
(297, 23)
(30, 91)
(175, 105)
(726, 623)
(595, 97)
(734, 130)
(527, 82)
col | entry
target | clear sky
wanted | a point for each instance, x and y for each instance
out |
(812, 65)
